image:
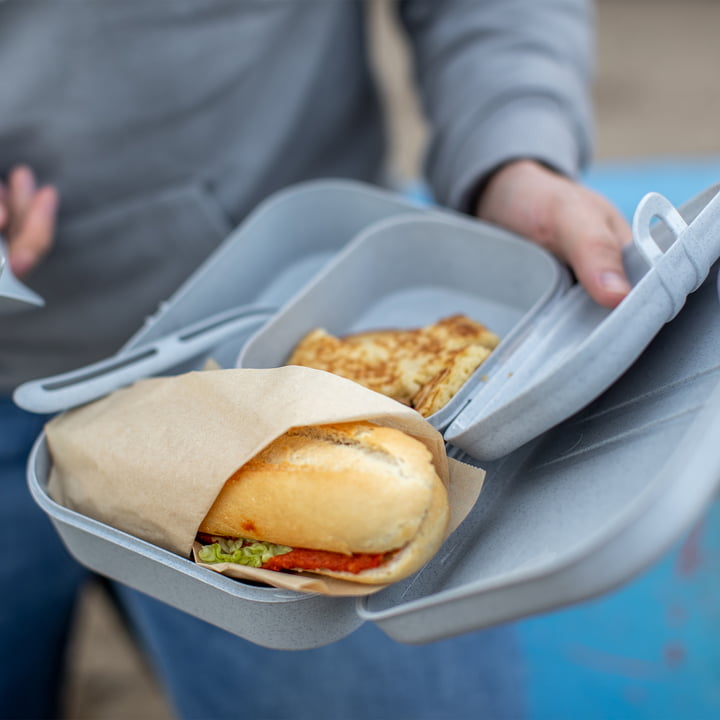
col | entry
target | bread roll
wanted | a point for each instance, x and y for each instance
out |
(347, 488)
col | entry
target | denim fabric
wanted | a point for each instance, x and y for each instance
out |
(38, 593)
(209, 673)
(365, 676)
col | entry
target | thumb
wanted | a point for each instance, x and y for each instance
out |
(597, 263)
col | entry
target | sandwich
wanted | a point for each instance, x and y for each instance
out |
(354, 500)
(420, 367)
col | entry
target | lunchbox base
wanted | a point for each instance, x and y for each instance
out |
(271, 617)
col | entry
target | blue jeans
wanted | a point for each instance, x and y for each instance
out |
(207, 672)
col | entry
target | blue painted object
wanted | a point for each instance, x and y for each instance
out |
(651, 650)
(679, 179)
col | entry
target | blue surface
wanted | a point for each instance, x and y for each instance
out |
(650, 651)
(679, 179)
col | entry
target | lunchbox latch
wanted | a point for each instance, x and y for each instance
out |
(682, 268)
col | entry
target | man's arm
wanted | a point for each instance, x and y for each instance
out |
(505, 85)
(27, 219)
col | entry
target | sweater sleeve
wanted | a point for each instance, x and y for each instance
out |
(501, 80)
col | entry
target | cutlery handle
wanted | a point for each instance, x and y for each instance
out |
(77, 387)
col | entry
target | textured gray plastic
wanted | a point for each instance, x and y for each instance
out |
(586, 506)
(573, 513)
(580, 349)
(409, 271)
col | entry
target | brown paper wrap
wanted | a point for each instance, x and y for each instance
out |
(150, 459)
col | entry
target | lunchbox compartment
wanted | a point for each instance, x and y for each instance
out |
(409, 272)
(272, 617)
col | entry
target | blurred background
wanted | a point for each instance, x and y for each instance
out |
(652, 649)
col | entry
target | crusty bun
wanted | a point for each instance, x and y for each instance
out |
(416, 553)
(350, 488)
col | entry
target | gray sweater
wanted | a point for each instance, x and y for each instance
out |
(163, 123)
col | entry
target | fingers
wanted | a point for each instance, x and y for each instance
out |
(594, 251)
(27, 216)
(35, 238)
(21, 190)
(597, 262)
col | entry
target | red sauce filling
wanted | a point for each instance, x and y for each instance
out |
(302, 559)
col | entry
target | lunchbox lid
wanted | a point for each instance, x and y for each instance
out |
(276, 250)
(587, 505)
(577, 349)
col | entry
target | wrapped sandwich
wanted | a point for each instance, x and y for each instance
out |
(353, 500)
(286, 468)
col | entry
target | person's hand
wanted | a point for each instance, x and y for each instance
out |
(27, 219)
(579, 226)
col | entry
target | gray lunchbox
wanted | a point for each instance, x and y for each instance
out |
(597, 428)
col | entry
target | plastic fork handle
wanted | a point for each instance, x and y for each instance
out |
(77, 387)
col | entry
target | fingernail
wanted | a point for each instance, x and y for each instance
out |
(614, 282)
(21, 262)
